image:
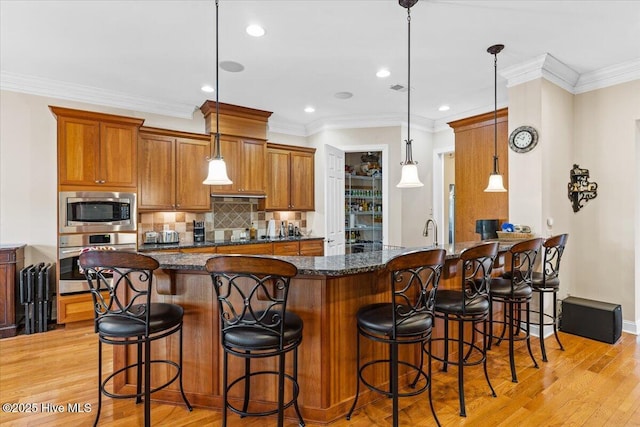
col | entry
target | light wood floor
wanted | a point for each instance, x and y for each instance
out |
(589, 384)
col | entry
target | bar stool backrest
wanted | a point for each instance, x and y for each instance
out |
(523, 258)
(477, 264)
(414, 281)
(252, 292)
(128, 278)
(553, 250)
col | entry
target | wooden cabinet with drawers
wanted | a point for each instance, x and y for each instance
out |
(96, 150)
(290, 178)
(171, 168)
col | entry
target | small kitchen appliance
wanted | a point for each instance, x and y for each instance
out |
(271, 229)
(198, 231)
(168, 236)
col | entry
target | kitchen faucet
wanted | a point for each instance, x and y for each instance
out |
(425, 232)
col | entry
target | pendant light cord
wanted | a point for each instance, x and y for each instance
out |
(409, 153)
(217, 141)
(495, 113)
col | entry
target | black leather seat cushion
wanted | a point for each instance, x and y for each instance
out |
(254, 338)
(163, 316)
(537, 280)
(502, 288)
(450, 302)
(377, 318)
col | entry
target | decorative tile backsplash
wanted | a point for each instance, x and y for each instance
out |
(227, 219)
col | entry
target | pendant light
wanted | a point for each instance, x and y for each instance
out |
(409, 178)
(495, 179)
(217, 168)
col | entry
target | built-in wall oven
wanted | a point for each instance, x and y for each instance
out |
(97, 212)
(70, 246)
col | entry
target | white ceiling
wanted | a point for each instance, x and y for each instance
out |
(153, 56)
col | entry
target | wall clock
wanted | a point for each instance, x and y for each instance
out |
(523, 139)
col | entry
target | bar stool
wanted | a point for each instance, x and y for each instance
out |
(252, 294)
(513, 293)
(468, 305)
(407, 319)
(548, 282)
(128, 317)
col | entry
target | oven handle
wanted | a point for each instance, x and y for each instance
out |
(71, 252)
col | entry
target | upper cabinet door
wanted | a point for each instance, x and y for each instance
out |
(78, 145)
(118, 154)
(277, 180)
(191, 170)
(156, 172)
(302, 181)
(254, 157)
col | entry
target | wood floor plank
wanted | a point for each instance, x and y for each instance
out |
(589, 384)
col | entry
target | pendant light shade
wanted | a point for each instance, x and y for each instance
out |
(495, 179)
(495, 184)
(409, 178)
(217, 168)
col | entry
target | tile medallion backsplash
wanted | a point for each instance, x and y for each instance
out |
(227, 219)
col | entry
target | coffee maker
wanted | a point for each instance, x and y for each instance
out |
(198, 231)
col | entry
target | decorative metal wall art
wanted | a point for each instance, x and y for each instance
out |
(580, 189)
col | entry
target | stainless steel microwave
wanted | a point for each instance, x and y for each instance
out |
(97, 211)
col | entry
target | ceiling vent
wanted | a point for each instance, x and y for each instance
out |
(398, 87)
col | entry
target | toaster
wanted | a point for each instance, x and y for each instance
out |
(168, 236)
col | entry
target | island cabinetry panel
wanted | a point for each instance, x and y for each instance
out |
(290, 178)
(96, 150)
(171, 168)
(11, 262)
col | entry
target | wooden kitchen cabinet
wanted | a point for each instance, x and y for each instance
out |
(243, 136)
(245, 159)
(286, 248)
(75, 308)
(11, 262)
(290, 178)
(96, 150)
(171, 168)
(249, 249)
(312, 247)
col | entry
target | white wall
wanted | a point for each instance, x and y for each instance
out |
(598, 131)
(604, 231)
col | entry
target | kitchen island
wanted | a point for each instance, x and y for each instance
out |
(326, 294)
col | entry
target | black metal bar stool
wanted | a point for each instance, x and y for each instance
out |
(406, 319)
(548, 282)
(128, 317)
(514, 293)
(468, 305)
(252, 294)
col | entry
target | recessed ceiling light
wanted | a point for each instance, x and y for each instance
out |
(231, 66)
(443, 108)
(343, 95)
(255, 30)
(207, 88)
(309, 109)
(383, 73)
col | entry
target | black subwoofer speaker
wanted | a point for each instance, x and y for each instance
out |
(601, 321)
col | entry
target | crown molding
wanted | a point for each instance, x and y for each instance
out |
(609, 76)
(545, 66)
(548, 67)
(91, 95)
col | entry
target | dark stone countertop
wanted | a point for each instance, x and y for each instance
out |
(177, 246)
(333, 265)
